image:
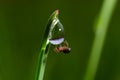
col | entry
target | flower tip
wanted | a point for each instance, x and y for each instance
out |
(57, 11)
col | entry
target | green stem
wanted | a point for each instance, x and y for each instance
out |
(42, 58)
(100, 34)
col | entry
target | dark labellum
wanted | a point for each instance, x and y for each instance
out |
(62, 48)
(67, 50)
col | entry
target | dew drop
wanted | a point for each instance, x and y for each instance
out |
(57, 34)
(56, 41)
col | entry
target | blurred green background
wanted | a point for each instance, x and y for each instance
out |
(22, 24)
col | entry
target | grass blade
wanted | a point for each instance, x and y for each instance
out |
(100, 33)
(42, 58)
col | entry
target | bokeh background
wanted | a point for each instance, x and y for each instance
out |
(22, 23)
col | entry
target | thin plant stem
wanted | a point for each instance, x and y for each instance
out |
(42, 58)
(100, 34)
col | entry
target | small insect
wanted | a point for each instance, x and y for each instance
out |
(62, 48)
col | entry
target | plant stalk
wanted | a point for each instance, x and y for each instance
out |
(100, 34)
(42, 56)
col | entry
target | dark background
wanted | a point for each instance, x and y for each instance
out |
(22, 24)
